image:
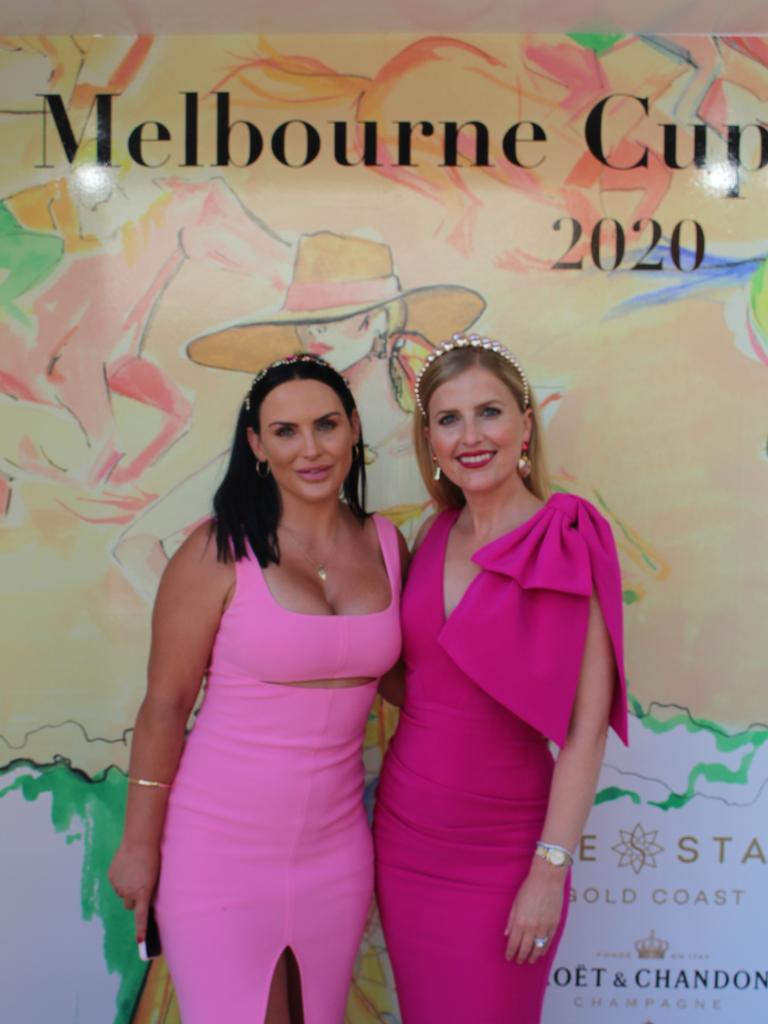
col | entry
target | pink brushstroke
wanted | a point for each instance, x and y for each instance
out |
(756, 343)
(93, 319)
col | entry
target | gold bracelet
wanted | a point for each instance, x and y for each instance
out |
(149, 782)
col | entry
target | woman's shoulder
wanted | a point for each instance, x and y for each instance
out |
(440, 520)
(198, 557)
(573, 504)
(396, 535)
(200, 544)
(558, 548)
(392, 535)
(582, 518)
(194, 577)
(424, 529)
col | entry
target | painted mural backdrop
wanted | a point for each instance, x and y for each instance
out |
(608, 208)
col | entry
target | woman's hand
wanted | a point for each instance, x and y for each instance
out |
(535, 912)
(133, 874)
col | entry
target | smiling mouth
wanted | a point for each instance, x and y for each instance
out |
(475, 460)
(316, 473)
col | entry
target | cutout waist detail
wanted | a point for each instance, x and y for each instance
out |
(353, 683)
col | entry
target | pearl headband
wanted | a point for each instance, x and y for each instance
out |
(295, 357)
(459, 341)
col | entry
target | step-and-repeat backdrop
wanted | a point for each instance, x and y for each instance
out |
(605, 197)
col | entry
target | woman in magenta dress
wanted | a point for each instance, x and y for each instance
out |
(512, 639)
(252, 833)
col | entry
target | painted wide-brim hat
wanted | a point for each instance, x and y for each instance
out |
(334, 277)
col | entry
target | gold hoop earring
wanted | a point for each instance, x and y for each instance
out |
(262, 469)
(524, 462)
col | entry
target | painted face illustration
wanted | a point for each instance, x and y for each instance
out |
(345, 342)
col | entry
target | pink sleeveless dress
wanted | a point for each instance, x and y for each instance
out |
(466, 780)
(266, 845)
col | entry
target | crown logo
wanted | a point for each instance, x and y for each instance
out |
(652, 947)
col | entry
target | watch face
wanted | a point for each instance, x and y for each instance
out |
(556, 857)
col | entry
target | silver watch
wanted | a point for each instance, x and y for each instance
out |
(555, 855)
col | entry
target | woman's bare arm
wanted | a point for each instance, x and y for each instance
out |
(190, 600)
(578, 764)
(537, 907)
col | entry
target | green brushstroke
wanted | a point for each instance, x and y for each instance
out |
(27, 258)
(94, 807)
(614, 793)
(606, 509)
(715, 772)
(680, 718)
(758, 297)
(628, 596)
(595, 41)
(712, 773)
(674, 802)
(725, 743)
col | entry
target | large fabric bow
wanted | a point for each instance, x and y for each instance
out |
(519, 632)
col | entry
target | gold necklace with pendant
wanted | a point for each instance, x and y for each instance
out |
(319, 567)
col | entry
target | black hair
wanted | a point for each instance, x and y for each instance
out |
(247, 506)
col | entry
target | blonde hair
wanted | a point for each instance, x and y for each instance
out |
(446, 493)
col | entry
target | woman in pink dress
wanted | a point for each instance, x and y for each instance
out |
(251, 834)
(512, 639)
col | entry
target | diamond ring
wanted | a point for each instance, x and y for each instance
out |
(540, 941)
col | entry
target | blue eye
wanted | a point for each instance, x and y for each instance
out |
(284, 431)
(491, 410)
(327, 425)
(447, 419)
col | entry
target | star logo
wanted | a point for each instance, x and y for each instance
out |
(637, 849)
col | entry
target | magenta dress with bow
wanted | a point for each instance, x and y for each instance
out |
(465, 784)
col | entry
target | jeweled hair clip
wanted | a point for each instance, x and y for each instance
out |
(295, 357)
(459, 341)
